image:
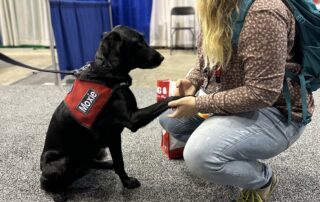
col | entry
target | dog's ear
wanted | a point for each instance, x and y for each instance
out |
(104, 34)
(113, 42)
(99, 57)
(111, 48)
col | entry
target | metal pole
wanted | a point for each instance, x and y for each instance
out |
(110, 14)
(53, 54)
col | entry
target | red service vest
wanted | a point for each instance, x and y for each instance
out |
(86, 100)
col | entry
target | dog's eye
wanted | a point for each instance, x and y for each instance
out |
(141, 43)
(141, 38)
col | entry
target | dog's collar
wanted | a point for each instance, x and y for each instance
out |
(124, 84)
(119, 85)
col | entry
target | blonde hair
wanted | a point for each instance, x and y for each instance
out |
(215, 18)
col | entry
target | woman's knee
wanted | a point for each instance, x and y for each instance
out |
(166, 122)
(183, 126)
(171, 126)
(202, 161)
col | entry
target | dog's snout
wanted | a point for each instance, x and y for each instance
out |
(161, 58)
(46, 184)
(157, 59)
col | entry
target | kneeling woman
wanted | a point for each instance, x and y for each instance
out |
(239, 86)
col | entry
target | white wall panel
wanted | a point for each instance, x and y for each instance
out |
(24, 22)
(160, 23)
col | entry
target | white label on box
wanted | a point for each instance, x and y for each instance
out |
(172, 88)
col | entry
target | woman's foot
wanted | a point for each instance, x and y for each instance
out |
(259, 195)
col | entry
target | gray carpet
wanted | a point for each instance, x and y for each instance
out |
(24, 117)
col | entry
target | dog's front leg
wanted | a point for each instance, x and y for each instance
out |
(141, 117)
(116, 154)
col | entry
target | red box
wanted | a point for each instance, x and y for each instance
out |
(171, 147)
(165, 88)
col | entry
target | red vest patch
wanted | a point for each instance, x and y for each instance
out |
(86, 100)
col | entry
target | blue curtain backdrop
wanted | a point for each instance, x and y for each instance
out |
(78, 25)
(133, 13)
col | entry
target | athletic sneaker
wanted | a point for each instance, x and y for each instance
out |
(258, 195)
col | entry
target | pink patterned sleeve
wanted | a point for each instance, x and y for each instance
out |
(262, 51)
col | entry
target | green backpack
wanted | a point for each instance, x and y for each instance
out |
(308, 41)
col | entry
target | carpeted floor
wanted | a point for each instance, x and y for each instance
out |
(24, 117)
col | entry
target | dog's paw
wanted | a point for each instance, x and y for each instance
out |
(171, 98)
(131, 183)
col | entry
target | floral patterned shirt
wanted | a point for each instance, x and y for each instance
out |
(255, 75)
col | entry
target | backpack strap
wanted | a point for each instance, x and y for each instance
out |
(287, 98)
(238, 19)
(303, 93)
(306, 118)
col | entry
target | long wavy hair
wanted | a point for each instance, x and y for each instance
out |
(215, 18)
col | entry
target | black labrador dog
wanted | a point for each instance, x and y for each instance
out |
(71, 146)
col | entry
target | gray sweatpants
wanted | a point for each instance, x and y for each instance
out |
(226, 149)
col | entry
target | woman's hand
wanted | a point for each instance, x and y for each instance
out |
(184, 107)
(184, 87)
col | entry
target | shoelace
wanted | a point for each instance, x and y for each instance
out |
(250, 196)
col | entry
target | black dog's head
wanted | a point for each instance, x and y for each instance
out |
(124, 49)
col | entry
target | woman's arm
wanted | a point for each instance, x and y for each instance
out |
(263, 51)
